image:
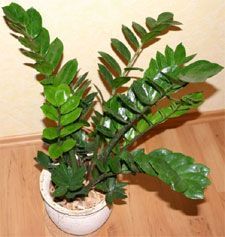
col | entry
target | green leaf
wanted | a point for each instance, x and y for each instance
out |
(50, 111)
(60, 191)
(161, 60)
(130, 37)
(142, 160)
(70, 117)
(62, 93)
(50, 133)
(180, 54)
(121, 49)
(71, 104)
(44, 68)
(189, 58)
(140, 92)
(43, 160)
(119, 81)
(180, 172)
(54, 53)
(140, 30)
(105, 131)
(31, 54)
(71, 129)
(60, 175)
(57, 95)
(150, 22)
(106, 74)
(165, 17)
(15, 13)
(128, 103)
(42, 41)
(149, 36)
(67, 73)
(199, 71)
(133, 69)
(111, 62)
(33, 23)
(77, 180)
(114, 164)
(115, 114)
(55, 150)
(169, 54)
(49, 92)
(68, 144)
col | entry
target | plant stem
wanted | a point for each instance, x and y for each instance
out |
(132, 61)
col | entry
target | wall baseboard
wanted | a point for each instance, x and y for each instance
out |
(190, 118)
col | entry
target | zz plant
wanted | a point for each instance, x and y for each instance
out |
(81, 158)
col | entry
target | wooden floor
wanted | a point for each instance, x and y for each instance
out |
(152, 209)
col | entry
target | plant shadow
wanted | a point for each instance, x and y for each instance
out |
(175, 200)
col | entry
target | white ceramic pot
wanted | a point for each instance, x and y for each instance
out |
(75, 222)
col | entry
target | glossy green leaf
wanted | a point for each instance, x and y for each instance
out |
(77, 180)
(161, 60)
(121, 48)
(27, 43)
(180, 172)
(199, 71)
(33, 22)
(55, 150)
(111, 62)
(68, 144)
(105, 131)
(70, 117)
(54, 53)
(165, 17)
(67, 73)
(133, 69)
(71, 104)
(169, 54)
(42, 41)
(57, 95)
(115, 115)
(140, 92)
(60, 175)
(106, 74)
(15, 13)
(150, 22)
(143, 162)
(140, 30)
(50, 111)
(189, 58)
(71, 129)
(180, 54)
(114, 164)
(130, 37)
(149, 36)
(44, 68)
(60, 191)
(128, 103)
(43, 160)
(31, 54)
(50, 133)
(62, 93)
(119, 81)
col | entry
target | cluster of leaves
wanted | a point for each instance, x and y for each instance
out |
(80, 161)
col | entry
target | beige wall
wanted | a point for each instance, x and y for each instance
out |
(86, 26)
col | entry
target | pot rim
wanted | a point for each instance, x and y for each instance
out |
(45, 179)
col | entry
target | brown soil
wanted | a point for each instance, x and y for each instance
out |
(93, 198)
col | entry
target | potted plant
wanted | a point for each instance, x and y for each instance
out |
(88, 149)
